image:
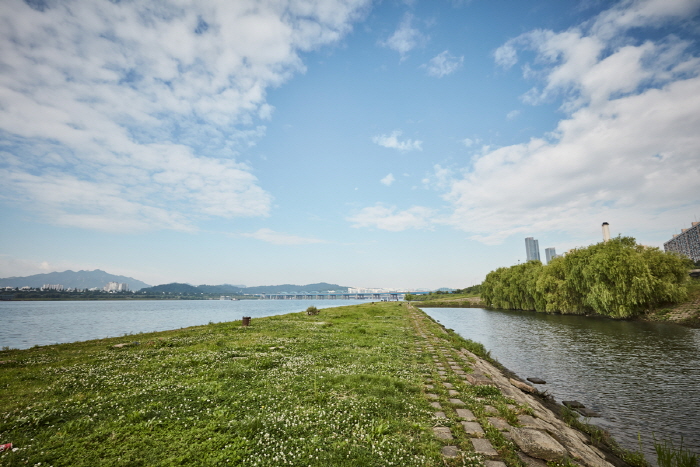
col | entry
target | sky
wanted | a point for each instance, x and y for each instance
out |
(397, 144)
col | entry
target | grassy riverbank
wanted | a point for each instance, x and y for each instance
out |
(341, 388)
(362, 385)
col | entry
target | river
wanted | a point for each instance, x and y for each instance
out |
(26, 324)
(643, 378)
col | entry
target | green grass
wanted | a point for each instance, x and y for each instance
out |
(667, 455)
(340, 388)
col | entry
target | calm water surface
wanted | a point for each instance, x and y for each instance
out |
(26, 324)
(641, 377)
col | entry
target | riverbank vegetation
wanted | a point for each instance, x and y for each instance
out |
(618, 278)
(342, 387)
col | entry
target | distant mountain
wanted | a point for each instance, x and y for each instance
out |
(72, 279)
(174, 287)
(228, 289)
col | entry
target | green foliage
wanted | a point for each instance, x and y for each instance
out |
(668, 455)
(617, 278)
(312, 310)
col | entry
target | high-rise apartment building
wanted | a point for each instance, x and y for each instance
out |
(686, 243)
(550, 254)
(532, 249)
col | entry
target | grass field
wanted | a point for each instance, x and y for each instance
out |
(344, 387)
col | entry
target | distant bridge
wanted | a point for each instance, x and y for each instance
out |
(379, 297)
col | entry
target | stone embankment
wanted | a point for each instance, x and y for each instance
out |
(479, 410)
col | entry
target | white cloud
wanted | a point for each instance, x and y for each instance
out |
(128, 117)
(388, 180)
(392, 142)
(277, 238)
(513, 114)
(388, 218)
(626, 152)
(628, 149)
(405, 38)
(468, 142)
(443, 64)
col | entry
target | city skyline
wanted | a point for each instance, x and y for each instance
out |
(406, 144)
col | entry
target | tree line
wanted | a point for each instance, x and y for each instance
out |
(617, 278)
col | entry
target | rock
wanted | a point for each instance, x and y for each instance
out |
(453, 393)
(573, 404)
(494, 464)
(490, 410)
(537, 381)
(484, 447)
(450, 451)
(456, 402)
(522, 386)
(473, 428)
(465, 414)
(531, 461)
(439, 415)
(588, 412)
(442, 432)
(435, 405)
(499, 423)
(536, 443)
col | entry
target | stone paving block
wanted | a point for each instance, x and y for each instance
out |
(430, 395)
(439, 415)
(456, 402)
(465, 414)
(460, 372)
(484, 447)
(453, 393)
(435, 405)
(429, 386)
(490, 410)
(451, 362)
(448, 385)
(455, 368)
(450, 451)
(442, 432)
(494, 464)
(473, 428)
(499, 423)
(442, 373)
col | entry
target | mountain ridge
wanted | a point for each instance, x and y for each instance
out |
(69, 279)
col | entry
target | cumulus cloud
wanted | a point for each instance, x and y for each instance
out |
(278, 238)
(627, 150)
(388, 218)
(443, 64)
(121, 116)
(392, 142)
(388, 180)
(405, 38)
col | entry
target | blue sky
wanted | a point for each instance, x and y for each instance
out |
(401, 144)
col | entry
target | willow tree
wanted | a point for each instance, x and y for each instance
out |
(617, 278)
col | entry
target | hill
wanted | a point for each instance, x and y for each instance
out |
(228, 289)
(72, 279)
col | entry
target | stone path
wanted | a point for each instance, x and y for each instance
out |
(473, 421)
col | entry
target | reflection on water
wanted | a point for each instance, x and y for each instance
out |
(642, 377)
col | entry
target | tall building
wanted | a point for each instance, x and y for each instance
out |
(532, 249)
(686, 243)
(550, 254)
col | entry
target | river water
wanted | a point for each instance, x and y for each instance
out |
(26, 324)
(643, 378)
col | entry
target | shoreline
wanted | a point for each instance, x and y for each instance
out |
(383, 365)
(684, 314)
